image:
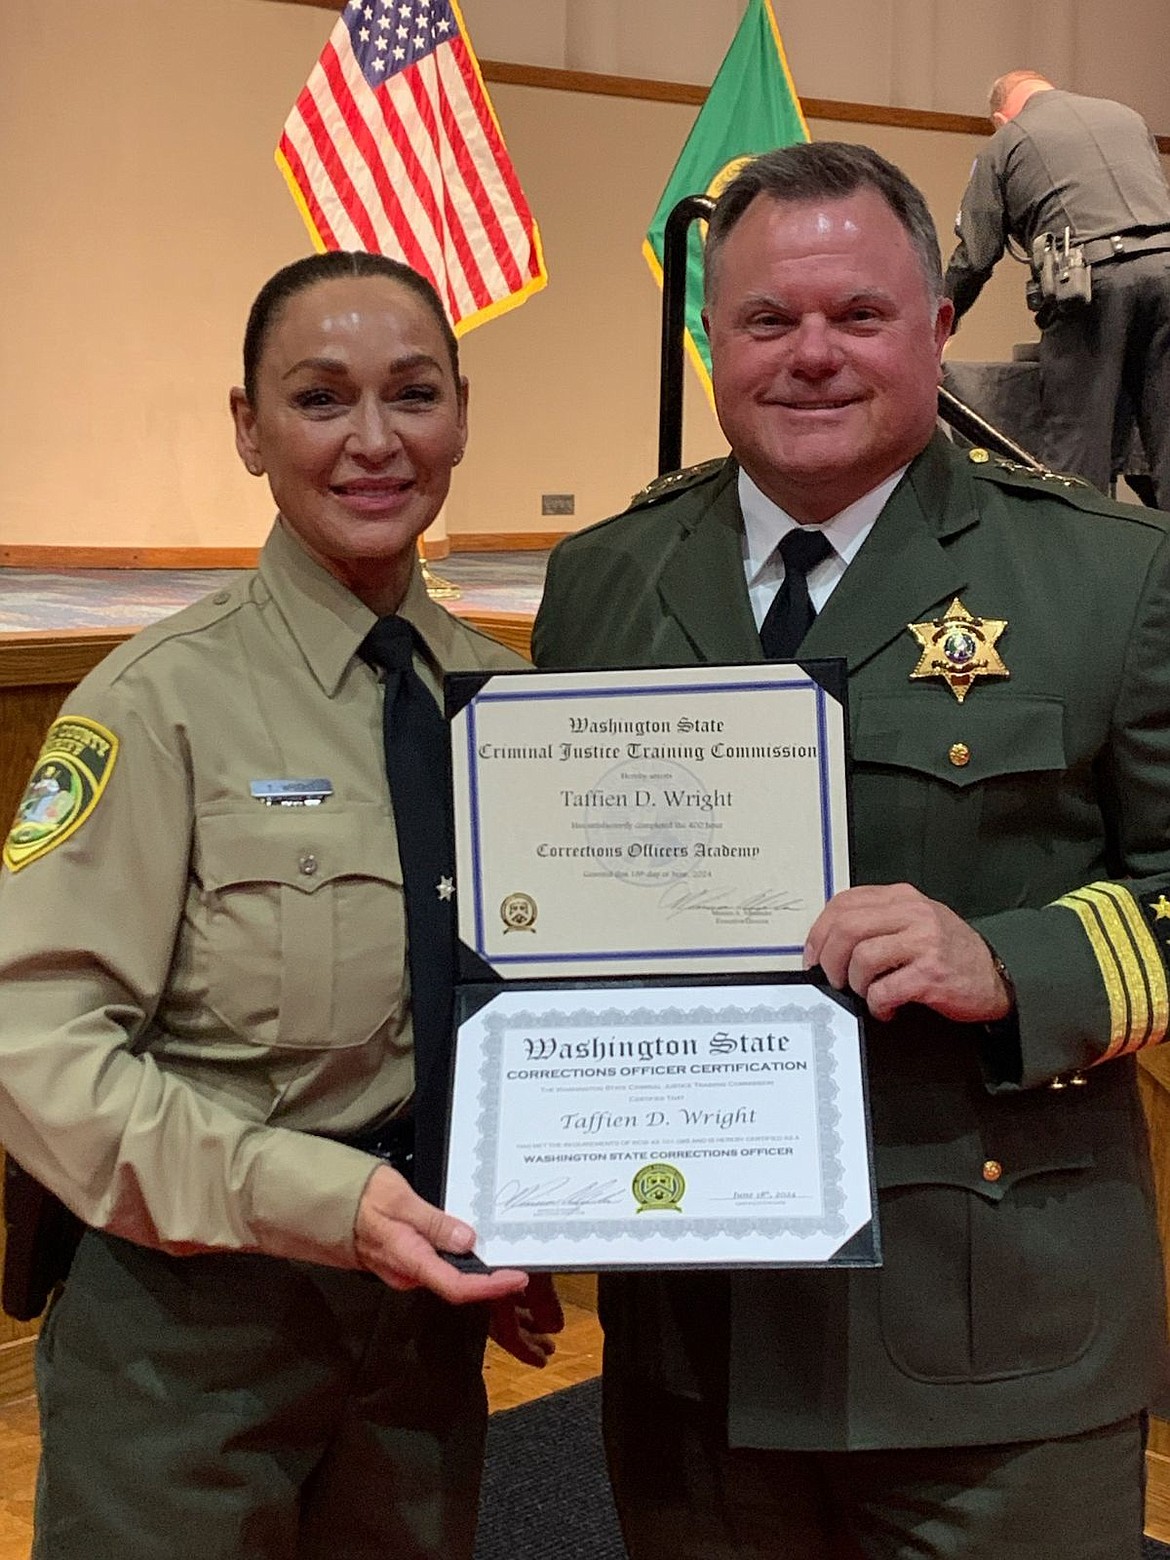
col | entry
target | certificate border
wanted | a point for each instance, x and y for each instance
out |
(759, 683)
(829, 1221)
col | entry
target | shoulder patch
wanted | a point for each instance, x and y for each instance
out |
(671, 483)
(73, 770)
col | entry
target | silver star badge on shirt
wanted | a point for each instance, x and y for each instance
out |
(445, 888)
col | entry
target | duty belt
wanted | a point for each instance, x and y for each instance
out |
(391, 1141)
(1120, 246)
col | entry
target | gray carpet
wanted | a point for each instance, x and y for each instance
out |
(545, 1493)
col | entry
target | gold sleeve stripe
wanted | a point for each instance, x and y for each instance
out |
(1131, 966)
(1152, 963)
(1132, 971)
(1085, 908)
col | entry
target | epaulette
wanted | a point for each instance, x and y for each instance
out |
(1045, 483)
(672, 483)
(996, 465)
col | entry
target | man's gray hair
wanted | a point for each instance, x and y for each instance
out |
(1003, 87)
(825, 170)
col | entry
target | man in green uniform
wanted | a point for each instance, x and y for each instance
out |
(1009, 690)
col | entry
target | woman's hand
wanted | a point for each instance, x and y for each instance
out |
(523, 1323)
(399, 1237)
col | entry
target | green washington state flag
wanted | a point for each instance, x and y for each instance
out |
(752, 107)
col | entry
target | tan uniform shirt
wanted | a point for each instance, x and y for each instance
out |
(193, 981)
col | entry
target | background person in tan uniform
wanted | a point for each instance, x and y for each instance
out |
(205, 1022)
(1058, 162)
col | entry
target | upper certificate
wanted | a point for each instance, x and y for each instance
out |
(648, 822)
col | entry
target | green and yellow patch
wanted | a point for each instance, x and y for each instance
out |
(71, 773)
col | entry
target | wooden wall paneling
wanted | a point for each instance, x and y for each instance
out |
(25, 714)
(512, 629)
(30, 555)
(1154, 1085)
(505, 541)
(59, 659)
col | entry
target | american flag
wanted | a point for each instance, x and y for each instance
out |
(393, 147)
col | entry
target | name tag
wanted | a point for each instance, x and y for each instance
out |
(291, 793)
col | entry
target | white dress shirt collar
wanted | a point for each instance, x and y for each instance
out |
(765, 525)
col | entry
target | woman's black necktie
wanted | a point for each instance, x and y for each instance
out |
(418, 769)
(791, 614)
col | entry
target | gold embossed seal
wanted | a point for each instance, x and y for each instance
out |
(659, 1188)
(518, 913)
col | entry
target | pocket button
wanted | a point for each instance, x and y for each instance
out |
(308, 865)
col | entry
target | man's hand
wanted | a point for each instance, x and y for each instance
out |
(399, 1237)
(892, 945)
(522, 1323)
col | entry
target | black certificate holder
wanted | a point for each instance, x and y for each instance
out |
(862, 1250)
(478, 982)
(459, 689)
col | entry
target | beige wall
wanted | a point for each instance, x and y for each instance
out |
(576, 369)
(910, 53)
(143, 210)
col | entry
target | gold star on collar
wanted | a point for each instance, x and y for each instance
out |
(959, 648)
(1161, 908)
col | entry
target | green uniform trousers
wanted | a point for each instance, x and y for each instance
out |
(241, 1407)
(682, 1494)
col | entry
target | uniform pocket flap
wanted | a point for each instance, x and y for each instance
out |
(302, 847)
(964, 743)
(973, 1167)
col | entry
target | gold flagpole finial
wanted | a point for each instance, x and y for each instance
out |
(437, 589)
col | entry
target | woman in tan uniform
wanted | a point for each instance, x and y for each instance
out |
(207, 1033)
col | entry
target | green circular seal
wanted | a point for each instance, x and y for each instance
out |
(658, 1188)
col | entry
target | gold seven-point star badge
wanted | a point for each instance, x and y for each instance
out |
(958, 648)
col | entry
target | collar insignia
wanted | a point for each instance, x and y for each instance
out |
(958, 648)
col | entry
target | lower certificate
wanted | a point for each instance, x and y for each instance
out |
(664, 1126)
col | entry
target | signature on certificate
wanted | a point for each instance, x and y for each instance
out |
(560, 1192)
(725, 907)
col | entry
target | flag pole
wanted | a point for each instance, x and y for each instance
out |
(674, 305)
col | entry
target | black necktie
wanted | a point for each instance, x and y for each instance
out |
(418, 768)
(791, 614)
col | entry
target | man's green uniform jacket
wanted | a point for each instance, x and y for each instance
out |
(1021, 1292)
